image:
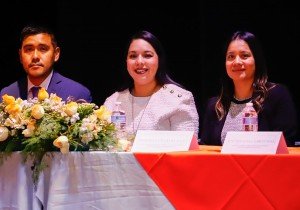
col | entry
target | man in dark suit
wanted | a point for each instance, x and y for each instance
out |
(38, 53)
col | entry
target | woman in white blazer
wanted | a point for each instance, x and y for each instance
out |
(150, 98)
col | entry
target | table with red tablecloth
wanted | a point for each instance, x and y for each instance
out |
(206, 179)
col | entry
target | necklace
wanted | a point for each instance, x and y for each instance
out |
(242, 99)
(134, 130)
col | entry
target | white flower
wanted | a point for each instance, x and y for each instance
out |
(28, 132)
(4, 132)
(87, 137)
(125, 144)
(74, 118)
(15, 121)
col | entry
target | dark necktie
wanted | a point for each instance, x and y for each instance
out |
(34, 91)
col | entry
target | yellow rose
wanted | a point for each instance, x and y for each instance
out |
(71, 108)
(4, 132)
(8, 99)
(43, 94)
(61, 141)
(13, 108)
(103, 113)
(37, 111)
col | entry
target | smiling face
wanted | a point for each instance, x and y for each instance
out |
(37, 55)
(240, 63)
(142, 62)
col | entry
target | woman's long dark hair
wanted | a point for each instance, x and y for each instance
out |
(260, 83)
(161, 76)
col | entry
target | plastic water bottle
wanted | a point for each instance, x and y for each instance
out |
(250, 121)
(118, 117)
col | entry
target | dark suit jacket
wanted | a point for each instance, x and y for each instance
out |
(62, 86)
(278, 114)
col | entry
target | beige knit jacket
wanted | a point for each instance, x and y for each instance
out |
(170, 108)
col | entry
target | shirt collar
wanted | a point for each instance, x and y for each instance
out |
(44, 84)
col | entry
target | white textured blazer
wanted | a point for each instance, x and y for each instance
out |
(170, 108)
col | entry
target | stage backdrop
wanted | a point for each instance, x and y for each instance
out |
(93, 36)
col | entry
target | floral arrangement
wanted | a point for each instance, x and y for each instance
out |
(46, 123)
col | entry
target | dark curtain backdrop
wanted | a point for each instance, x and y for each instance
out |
(93, 35)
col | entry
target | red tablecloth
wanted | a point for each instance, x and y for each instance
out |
(209, 180)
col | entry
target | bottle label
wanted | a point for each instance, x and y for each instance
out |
(118, 119)
(250, 124)
(249, 120)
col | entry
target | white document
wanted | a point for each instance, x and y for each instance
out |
(164, 141)
(254, 142)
